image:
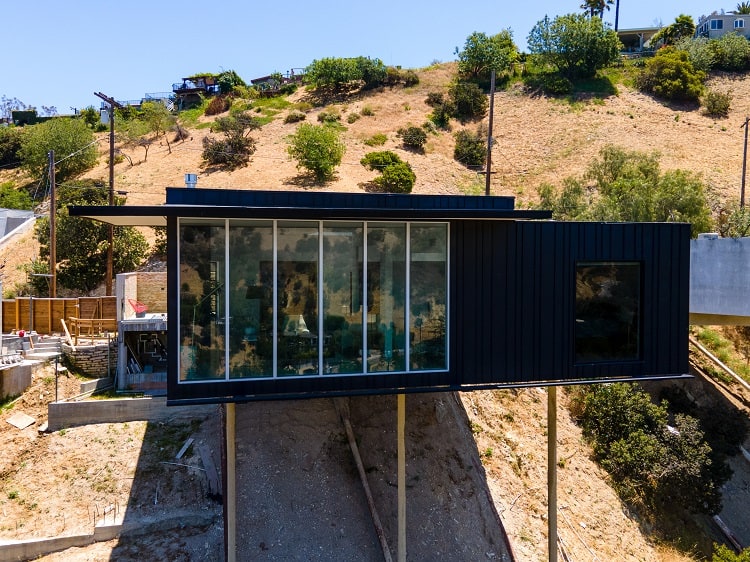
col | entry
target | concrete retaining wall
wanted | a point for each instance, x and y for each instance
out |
(14, 379)
(720, 276)
(32, 549)
(69, 414)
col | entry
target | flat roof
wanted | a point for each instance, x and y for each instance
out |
(315, 205)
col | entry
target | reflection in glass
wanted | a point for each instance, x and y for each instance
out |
(297, 286)
(386, 297)
(250, 299)
(342, 297)
(608, 304)
(202, 290)
(427, 296)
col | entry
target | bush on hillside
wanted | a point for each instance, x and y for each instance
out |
(468, 100)
(731, 53)
(717, 104)
(671, 76)
(318, 149)
(396, 178)
(217, 105)
(10, 144)
(470, 149)
(294, 117)
(413, 137)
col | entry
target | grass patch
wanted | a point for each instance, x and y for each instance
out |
(189, 117)
(377, 139)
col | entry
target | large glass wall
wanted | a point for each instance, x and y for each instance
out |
(386, 297)
(202, 294)
(427, 296)
(342, 297)
(250, 293)
(297, 298)
(310, 298)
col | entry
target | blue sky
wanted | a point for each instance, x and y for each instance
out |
(58, 53)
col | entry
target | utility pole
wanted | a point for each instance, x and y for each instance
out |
(52, 228)
(744, 165)
(617, 14)
(110, 231)
(489, 135)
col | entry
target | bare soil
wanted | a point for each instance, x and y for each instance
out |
(65, 482)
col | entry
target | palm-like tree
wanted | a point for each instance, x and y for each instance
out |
(743, 8)
(596, 8)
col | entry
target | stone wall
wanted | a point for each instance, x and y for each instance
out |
(92, 359)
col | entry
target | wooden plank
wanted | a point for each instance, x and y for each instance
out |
(185, 447)
(214, 484)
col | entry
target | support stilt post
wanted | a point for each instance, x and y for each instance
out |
(231, 499)
(401, 478)
(552, 473)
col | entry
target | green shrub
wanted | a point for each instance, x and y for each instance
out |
(717, 104)
(217, 105)
(352, 118)
(699, 51)
(367, 111)
(413, 137)
(396, 178)
(410, 78)
(378, 139)
(441, 115)
(435, 99)
(552, 84)
(231, 152)
(470, 149)
(723, 553)
(10, 144)
(671, 76)
(731, 52)
(294, 117)
(330, 115)
(12, 198)
(318, 149)
(380, 160)
(468, 100)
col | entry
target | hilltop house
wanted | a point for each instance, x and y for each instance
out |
(720, 23)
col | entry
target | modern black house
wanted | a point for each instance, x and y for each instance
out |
(276, 294)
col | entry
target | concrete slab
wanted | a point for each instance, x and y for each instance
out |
(20, 420)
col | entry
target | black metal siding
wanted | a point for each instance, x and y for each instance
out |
(514, 299)
(512, 307)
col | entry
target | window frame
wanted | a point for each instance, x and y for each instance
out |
(226, 224)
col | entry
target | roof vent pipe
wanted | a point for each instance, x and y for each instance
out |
(191, 180)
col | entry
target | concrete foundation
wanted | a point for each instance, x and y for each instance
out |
(70, 414)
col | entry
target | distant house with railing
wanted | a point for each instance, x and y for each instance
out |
(717, 24)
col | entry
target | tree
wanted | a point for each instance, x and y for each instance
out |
(318, 149)
(10, 145)
(595, 8)
(483, 54)
(743, 8)
(82, 244)
(235, 149)
(629, 186)
(575, 45)
(12, 198)
(228, 81)
(8, 105)
(651, 463)
(72, 141)
(340, 73)
(683, 27)
(158, 117)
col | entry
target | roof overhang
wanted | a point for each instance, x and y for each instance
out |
(213, 203)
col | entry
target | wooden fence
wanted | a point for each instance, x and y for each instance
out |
(44, 314)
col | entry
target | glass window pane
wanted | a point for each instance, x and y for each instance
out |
(250, 299)
(386, 297)
(428, 296)
(202, 294)
(297, 286)
(608, 304)
(342, 297)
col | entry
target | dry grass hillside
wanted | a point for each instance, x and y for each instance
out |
(537, 140)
